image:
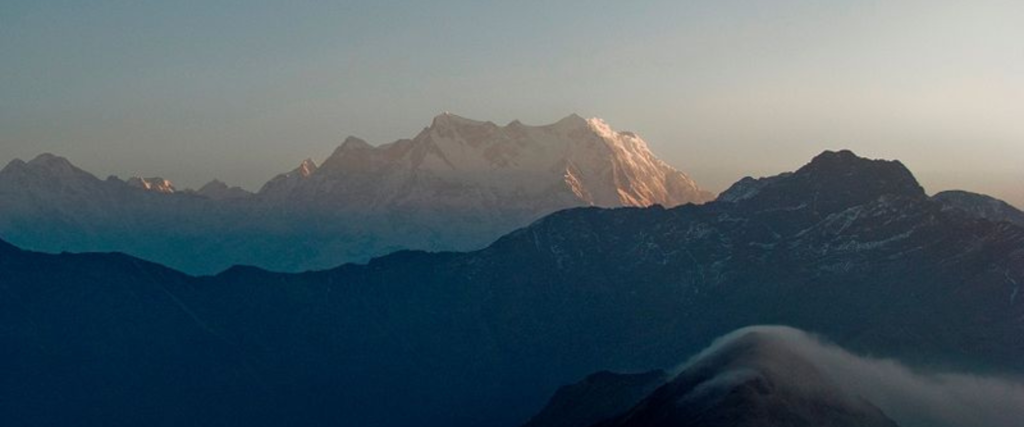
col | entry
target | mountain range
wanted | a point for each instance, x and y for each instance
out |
(457, 185)
(847, 247)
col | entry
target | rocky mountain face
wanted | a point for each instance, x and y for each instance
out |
(459, 184)
(847, 247)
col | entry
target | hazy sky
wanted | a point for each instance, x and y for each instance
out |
(195, 90)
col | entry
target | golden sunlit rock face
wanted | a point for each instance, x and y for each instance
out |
(156, 184)
(463, 163)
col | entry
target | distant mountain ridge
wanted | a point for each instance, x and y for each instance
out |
(980, 206)
(458, 184)
(847, 247)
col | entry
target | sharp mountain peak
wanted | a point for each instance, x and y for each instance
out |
(48, 166)
(447, 119)
(830, 182)
(52, 162)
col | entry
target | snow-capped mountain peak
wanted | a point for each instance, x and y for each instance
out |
(306, 168)
(50, 161)
(343, 157)
(457, 184)
(461, 163)
(449, 120)
(13, 165)
(47, 170)
(572, 121)
(354, 143)
(154, 184)
(55, 166)
(283, 184)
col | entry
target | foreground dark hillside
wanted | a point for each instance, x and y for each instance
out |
(772, 376)
(848, 247)
(755, 380)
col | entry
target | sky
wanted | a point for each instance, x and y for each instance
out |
(241, 91)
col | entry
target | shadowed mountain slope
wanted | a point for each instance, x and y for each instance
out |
(597, 398)
(755, 377)
(981, 206)
(847, 247)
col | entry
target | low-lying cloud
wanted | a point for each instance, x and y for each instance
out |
(911, 398)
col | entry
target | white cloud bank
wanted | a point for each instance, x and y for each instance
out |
(911, 398)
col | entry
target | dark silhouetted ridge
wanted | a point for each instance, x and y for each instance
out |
(832, 182)
(598, 397)
(980, 206)
(16, 164)
(7, 247)
(755, 379)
